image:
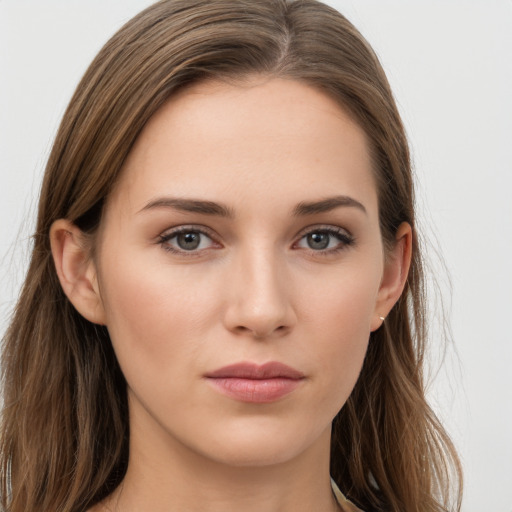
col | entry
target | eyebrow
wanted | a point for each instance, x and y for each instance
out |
(190, 205)
(217, 209)
(326, 205)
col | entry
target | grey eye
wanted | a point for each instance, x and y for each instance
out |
(325, 240)
(185, 240)
(188, 241)
(318, 240)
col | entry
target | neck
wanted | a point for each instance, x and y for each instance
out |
(167, 476)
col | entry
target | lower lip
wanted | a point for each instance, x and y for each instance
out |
(258, 391)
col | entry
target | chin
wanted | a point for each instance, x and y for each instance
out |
(260, 445)
(253, 456)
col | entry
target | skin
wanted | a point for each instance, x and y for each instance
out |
(253, 290)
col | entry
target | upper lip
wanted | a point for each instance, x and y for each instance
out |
(247, 370)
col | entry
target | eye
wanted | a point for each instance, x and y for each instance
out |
(328, 240)
(186, 240)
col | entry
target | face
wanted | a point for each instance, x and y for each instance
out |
(240, 267)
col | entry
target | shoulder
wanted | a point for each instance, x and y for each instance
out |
(346, 505)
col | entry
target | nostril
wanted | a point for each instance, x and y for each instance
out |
(261, 333)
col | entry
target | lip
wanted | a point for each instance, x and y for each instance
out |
(253, 383)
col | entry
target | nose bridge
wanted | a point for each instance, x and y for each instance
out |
(259, 299)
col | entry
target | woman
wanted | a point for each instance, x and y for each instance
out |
(225, 306)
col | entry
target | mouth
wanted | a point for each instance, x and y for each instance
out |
(252, 383)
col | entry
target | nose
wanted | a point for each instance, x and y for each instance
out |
(259, 297)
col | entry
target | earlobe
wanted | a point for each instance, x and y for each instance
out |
(76, 271)
(396, 270)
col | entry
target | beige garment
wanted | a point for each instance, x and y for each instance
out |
(346, 506)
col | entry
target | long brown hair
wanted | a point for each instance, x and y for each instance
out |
(64, 432)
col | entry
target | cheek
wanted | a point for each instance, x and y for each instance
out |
(153, 312)
(339, 316)
(342, 304)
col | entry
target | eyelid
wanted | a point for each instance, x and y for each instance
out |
(170, 233)
(184, 228)
(346, 238)
(332, 228)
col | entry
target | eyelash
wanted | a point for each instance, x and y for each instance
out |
(345, 239)
(164, 239)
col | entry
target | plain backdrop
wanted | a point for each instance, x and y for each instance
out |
(450, 66)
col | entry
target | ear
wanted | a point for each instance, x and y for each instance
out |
(76, 270)
(396, 270)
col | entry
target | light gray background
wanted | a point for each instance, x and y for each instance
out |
(450, 65)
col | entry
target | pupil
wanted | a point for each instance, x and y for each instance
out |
(318, 240)
(188, 241)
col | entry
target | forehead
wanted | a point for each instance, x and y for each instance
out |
(263, 140)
